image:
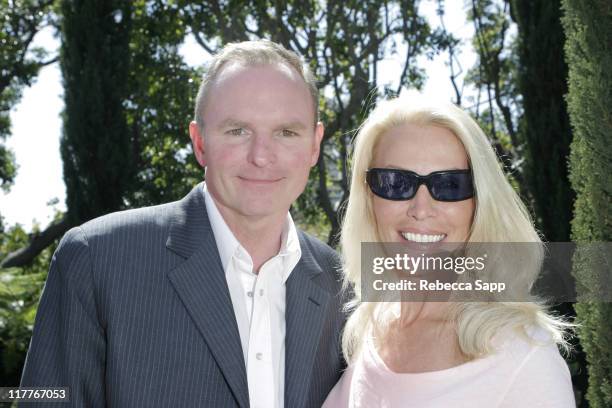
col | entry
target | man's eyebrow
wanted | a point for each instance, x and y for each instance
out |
(295, 125)
(230, 122)
(235, 123)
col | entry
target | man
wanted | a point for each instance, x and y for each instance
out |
(215, 300)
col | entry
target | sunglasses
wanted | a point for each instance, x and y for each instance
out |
(400, 185)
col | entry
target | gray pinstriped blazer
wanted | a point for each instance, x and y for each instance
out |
(136, 313)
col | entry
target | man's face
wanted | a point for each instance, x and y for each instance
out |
(259, 140)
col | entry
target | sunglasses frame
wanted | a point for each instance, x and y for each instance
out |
(420, 180)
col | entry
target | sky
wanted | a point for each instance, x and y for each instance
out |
(39, 188)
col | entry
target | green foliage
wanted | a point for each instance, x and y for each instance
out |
(307, 213)
(8, 167)
(159, 106)
(20, 290)
(588, 29)
(19, 66)
(595, 338)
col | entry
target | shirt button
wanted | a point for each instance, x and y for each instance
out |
(261, 292)
(259, 356)
(250, 294)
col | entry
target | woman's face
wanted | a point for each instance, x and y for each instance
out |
(423, 150)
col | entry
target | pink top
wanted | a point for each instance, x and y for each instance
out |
(520, 374)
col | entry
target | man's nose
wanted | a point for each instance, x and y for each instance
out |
(262, 150)
(422, 205)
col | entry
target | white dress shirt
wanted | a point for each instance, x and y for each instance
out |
(259, 306)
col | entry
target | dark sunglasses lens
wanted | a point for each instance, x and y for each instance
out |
(391, 184)
(451, 186)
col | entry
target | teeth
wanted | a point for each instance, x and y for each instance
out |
(421, 237)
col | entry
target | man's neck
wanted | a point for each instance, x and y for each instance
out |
(261, 236)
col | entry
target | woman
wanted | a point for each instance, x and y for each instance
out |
(426, 173)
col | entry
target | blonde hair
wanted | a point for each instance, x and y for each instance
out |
(254, 53)
(500, 216)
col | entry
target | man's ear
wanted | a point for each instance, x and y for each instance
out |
(197, 142)
(319, 130)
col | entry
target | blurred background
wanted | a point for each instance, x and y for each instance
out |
(96, 97)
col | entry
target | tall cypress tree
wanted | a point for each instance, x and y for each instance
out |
(545, 129)
(545, 126)
(95, 145)
(588, 28)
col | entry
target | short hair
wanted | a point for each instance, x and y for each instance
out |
(254, 53)
(499, 216)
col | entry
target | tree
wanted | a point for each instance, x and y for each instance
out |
(451, 44)
(545, 129)
(159, 105)
(588, 31)
(19, 65)
(95, 144)
(494, 75)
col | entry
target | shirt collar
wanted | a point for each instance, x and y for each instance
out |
(228, 245)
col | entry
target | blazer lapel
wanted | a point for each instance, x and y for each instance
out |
(200, 284)
(305, 311)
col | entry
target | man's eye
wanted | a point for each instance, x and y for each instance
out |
(288, 133)
(236, 132)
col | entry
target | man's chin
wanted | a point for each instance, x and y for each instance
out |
(264, 210)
